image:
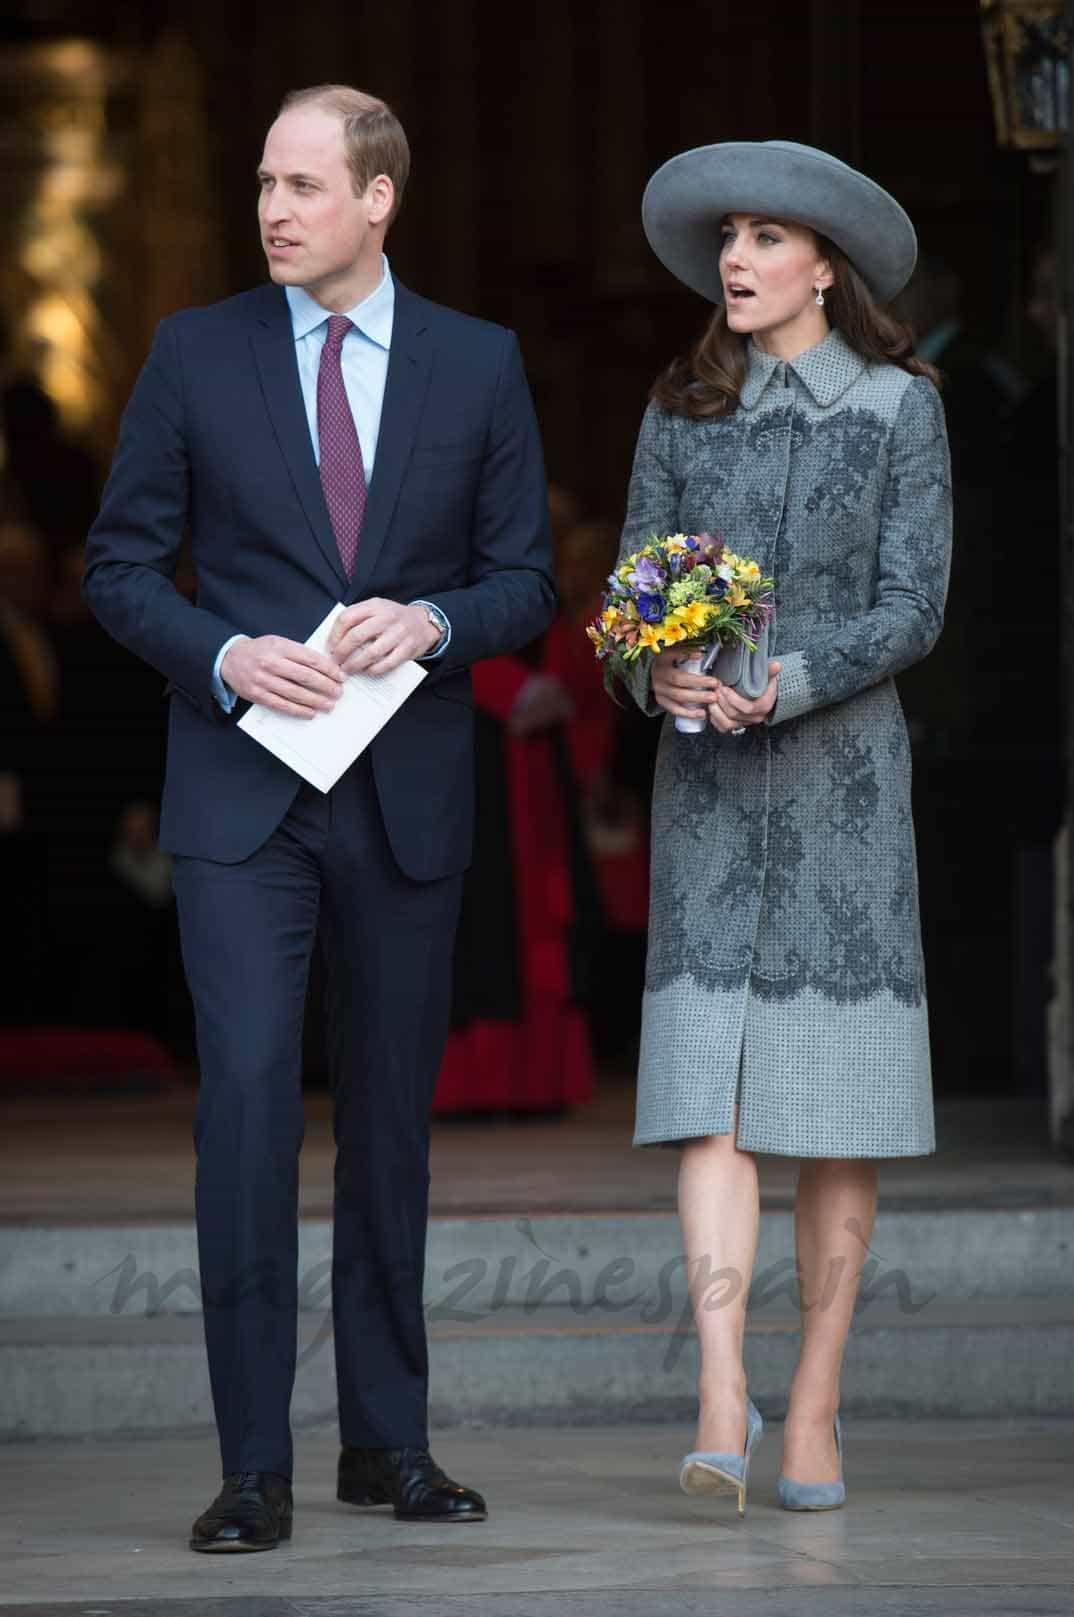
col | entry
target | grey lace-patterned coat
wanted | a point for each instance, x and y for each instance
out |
(785, 965)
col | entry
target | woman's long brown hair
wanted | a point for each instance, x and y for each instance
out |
(708, 379)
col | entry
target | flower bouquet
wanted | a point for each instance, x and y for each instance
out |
(689, 590)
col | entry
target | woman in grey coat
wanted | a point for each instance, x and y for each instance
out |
(785, 1002)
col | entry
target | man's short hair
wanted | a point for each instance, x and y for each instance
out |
(374, 141)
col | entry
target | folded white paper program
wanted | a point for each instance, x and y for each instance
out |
(321, 748)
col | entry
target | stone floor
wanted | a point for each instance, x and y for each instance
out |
(129, 1159)
(958, 1518)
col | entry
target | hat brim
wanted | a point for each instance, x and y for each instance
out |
(688, 196)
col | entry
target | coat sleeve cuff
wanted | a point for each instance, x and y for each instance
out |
(793, 698)
(639, 683)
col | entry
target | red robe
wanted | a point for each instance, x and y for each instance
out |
(541, 1061)
(621, 864)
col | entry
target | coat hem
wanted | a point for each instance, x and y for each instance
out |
(678, 1140)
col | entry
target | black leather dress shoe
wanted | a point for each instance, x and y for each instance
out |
(410, 1480)
(252, 1511)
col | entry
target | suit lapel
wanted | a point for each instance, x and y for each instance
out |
(409, 363)
(274, 351)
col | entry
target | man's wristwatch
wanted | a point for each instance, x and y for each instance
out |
(439, 623)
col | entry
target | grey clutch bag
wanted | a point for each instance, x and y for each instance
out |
(737, 667)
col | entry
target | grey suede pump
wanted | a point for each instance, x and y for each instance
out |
(720, 1473)
(815, 1495)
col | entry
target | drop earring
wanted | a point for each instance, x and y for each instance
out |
(820, 297)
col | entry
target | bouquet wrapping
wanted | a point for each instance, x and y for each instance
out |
(685, 589)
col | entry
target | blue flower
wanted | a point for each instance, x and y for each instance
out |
(651, 608)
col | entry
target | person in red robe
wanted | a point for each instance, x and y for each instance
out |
(556, 902)
(519, 1040)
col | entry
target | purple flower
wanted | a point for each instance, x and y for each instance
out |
(647, 575)
(651, 608)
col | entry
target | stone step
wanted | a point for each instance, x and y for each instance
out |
(474, 1263)
(128, 1374)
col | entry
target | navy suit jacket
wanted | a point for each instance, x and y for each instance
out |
(215, 441)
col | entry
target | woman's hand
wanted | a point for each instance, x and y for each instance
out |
(730, 712)
(683, 695)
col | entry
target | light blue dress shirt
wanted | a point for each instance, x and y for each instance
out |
(364, 362)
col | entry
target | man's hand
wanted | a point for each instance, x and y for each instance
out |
(282, 674)
(376, 636)
(543, 701)
(732, 712)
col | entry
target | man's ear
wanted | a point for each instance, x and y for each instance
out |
(381, 194)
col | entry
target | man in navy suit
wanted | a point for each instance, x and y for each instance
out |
(330, 437)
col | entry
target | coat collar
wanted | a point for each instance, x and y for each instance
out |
(827, 370)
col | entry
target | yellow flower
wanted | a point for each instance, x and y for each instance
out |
(695, 615)
(650, 637)
(736, 596)
(676, 546)
(608, 616)
(674, 631)
(748, 569)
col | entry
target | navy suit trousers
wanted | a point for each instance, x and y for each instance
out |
(247, 932)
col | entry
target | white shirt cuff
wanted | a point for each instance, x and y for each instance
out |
(223, 694)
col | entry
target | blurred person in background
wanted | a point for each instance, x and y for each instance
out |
(953, 700)
(29, 694)
(942, 696)
(113, 944)
(529, 930)
(56, 478)
(612, 751)
(1028, 715)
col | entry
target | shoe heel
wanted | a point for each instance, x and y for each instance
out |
(702, 1473)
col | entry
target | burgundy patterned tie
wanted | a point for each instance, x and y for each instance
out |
(342, 472)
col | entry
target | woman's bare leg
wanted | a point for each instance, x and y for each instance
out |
(719, 1210)
(834, 1211)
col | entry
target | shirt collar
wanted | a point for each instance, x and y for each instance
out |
(827, 370)
(373, 317)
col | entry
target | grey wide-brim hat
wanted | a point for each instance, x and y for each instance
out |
(688, 196)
